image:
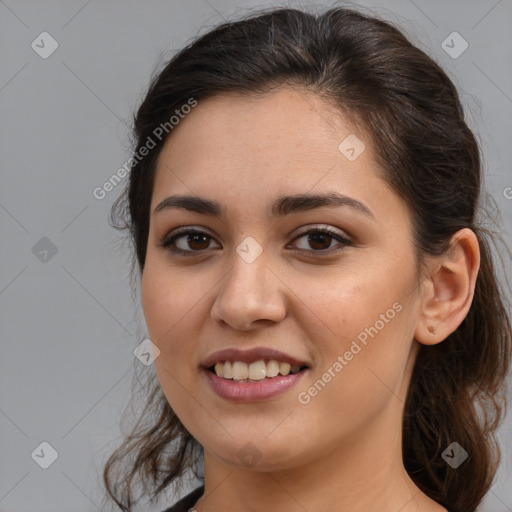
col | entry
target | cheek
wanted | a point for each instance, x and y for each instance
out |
(347, 306)
(363, 343)
(166, 300)
(169, 328)
(358, 381)
(155, 300)
(166, 312)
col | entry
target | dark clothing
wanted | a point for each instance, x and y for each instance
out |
(187, 502)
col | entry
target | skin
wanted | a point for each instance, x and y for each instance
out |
(341, 451)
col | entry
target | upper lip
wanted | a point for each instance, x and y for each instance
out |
(250, 356)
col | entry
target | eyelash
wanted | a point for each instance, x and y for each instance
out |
(169, 241)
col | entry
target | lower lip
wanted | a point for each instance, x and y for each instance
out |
(252, 391)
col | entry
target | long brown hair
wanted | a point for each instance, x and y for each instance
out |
(367, 68)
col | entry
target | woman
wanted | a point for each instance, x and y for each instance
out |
(326, 323)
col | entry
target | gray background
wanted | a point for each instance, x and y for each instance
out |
(68, 324)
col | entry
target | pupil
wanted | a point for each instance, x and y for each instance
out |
(321, 235)
(196, 236)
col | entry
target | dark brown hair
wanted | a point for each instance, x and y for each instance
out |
(411, 110)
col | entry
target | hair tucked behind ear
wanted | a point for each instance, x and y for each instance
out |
(412, 113)
(455, 395)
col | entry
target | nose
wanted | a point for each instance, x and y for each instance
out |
(250, 295)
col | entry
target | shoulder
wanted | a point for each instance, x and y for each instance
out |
(187, 502)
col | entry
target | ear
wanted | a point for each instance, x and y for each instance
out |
(448, 292)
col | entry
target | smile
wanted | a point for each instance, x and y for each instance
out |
(259, 370)
(248, 389)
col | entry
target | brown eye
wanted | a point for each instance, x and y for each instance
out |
(320, 239)
(195, 242)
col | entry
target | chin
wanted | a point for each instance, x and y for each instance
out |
(257, 454)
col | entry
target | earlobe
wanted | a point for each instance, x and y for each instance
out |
(448, 292)
(432, 330)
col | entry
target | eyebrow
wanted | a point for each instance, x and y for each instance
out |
(283, 205)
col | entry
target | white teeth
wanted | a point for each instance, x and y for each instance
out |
(284, 368)
(240, 370)
(258, 370)
(227, 371)
(272, 369)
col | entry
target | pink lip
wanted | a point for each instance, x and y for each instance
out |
(237, 391)
(250, 356)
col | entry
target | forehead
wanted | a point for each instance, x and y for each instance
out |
(270, 117)
(285, 134)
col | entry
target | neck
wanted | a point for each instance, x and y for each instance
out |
(365, 473)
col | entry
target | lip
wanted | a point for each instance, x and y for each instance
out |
(250, 356)
(255, 391)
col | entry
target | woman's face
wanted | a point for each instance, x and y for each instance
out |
(254, 281)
